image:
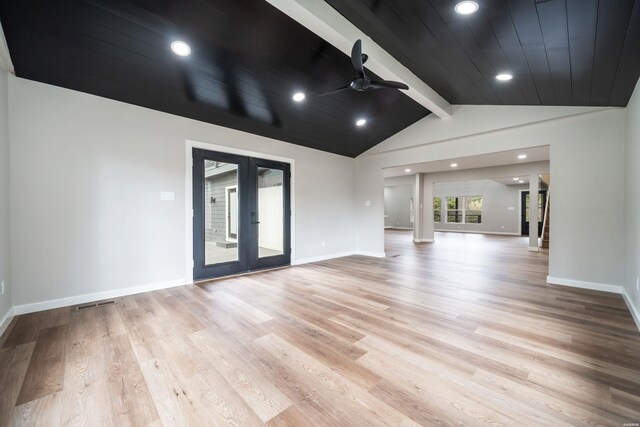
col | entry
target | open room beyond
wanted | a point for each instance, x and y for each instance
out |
(320, 213)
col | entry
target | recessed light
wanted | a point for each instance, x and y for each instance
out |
(504, 77)
(407, 170)
(522, 156)
(521, 182)
(180, 48)
(361, 122)
(298, 96)
(516, 179)
(466, 7)
(454, 165)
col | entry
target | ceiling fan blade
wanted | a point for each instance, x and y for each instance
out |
(387, 84)
(340, 89)
(356, 58)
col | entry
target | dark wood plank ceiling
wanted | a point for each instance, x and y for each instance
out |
(247, 60)
(561, 52)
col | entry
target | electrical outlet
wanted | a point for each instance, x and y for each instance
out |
(3, 287)
(322, 243)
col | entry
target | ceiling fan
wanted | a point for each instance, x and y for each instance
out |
(362, 82)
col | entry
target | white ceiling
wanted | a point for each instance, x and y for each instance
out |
(502, 158)
(510, 180)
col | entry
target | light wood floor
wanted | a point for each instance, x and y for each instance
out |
(461, 332)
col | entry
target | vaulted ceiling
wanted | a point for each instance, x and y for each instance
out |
(248, 58)
(560, 52)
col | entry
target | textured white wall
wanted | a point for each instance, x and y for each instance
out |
(5, 253)
(86, 178)
(587, 151)
(632, 200)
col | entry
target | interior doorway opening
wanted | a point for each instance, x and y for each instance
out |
(478, 195)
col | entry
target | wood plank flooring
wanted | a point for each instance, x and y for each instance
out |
(464, 331)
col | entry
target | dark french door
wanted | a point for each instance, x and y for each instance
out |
(524, 211)
(241, 214)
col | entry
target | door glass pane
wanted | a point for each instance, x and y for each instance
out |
(220, 212)
(270, 212)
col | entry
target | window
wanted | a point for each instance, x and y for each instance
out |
(464, 210)
(454, 209)
(473, 210)
(437, 209)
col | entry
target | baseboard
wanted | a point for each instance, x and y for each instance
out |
(337, 255)
(500, 233)
(6, 320)
(423, 240)
(372, 254)
(391, 227)
(635, 313)
(81, 299)
(323, 257)
(533, 249)
(617, 289)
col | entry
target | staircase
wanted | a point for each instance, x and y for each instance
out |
(545, 224)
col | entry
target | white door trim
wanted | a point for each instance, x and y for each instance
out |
(188, 197)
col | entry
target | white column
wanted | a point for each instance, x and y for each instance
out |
(428, 226)
(418, 206)
(534, 188)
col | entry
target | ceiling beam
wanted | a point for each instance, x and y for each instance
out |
(328, 23)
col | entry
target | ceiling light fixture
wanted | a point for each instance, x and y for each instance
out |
(466, 7)
(504, 77)
(516, 178)
(521, 182)
(407, 170)
(180, 48)
(522, 156)
(298, 96)
(454, 165)
(361, 122)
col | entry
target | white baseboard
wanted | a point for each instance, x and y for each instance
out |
(423, 240)
(4, 323)
(392, 227)
(533, 249)
(372, 254)
(323, 257)
(97, 296)
(635, 312)
(584, 285)
(337, 255)
(500, 233)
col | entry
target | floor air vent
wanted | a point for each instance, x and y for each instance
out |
(95, 304)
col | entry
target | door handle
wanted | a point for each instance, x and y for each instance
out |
(252, 221)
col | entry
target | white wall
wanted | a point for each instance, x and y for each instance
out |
(5, 257)
(86, 177)
(587, 151)
(632, 202)
(397, 206)
(500, 205)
